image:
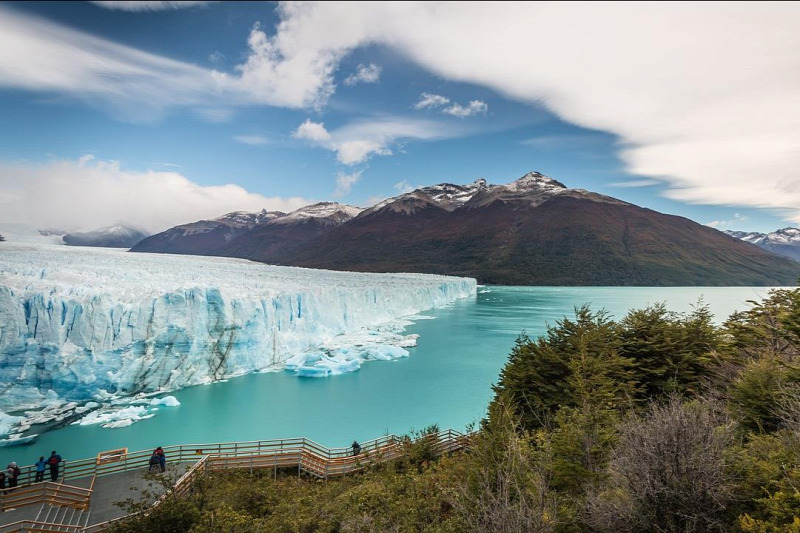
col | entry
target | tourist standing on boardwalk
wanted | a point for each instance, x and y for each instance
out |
(54, 462)
(41, 465)
(2, 480)
(356, 448)
(12, 473)
(155, 462)
(162, 458)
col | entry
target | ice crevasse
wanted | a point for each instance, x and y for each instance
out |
(81, 323)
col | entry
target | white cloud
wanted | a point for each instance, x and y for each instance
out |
(433, 101)
(89, 193)
(312, 131)
(726, 223)
(253, 140)
(39, 55)
(715, 112)
(404, 187)
(130, 84)
(149, 6)
(345, 182)
(359, 140)
(475, 107)
(358, 151)
(429, 100)
(364, 74)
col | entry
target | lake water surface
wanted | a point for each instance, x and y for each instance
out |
(446, 381)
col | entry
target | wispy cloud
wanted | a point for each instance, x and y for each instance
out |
(570, 141)
(726, 223)
(634, 183)
(39, 55)
(253, 140)
(429, 100)
(216, 57)
(345, 182)
(475, 107)
(437, 101)
(364, 74)
(404, 186)
(359, 140)
(150, 6)
(89, 193)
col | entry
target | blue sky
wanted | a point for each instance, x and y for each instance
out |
(167, 115)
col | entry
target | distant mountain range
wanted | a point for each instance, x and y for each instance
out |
(784, 242)
(533, 231)
(118, 236)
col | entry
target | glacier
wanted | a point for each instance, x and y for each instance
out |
(93, 324)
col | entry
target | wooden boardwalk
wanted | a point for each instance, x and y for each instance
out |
(83, 499)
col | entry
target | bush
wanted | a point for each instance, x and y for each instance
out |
(667, 474)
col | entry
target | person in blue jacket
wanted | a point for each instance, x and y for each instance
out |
(41, 465)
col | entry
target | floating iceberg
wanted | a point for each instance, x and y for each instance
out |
(78, 324)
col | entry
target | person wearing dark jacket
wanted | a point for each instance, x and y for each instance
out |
(54, 461)
(356, 448)
(162, 458)
(12, 473)
(155, 462)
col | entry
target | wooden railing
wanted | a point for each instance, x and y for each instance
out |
(46, 492)
(35, 526)
(301, 453)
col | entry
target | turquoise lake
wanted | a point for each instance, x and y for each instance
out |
(447, 379)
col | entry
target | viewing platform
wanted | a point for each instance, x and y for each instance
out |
(82, 501)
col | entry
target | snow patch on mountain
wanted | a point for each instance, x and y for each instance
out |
(243, 219)
(535, 181)
(785, 242)
(333, 212)
(785, 236)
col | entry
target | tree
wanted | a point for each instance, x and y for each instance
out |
(576, 363)
(669, 350)
(507, 484)
(771, 327)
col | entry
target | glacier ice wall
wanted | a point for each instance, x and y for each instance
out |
(82, 323)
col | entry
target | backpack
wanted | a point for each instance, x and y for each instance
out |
(53, 460)
(17, 471)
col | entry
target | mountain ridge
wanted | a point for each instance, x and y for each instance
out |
(532, 231)
(785, 241)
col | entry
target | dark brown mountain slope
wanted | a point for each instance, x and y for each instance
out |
(533, 231)
(566, 240)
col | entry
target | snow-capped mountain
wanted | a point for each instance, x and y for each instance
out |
(243, 219)
(330, 213)
(118, 236)
(533, 230)
(785, 242)
(205, 237)
(269, 242)
(446, 196)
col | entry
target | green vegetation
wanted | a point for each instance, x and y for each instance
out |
(657, 422)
